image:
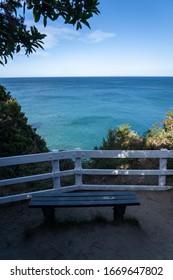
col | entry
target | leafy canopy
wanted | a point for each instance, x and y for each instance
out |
(15, 35)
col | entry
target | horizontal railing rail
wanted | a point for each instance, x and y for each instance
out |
(58, 155)
(34, 158)
(78, 156)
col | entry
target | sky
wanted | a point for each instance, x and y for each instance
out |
(128, 38)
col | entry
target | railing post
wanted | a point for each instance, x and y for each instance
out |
(162, 166)
(56, 168)
(78, 168)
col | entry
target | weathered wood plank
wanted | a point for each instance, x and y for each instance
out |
(76, 199)
(62, 204)
(65, 173)
(127, 154)
(26, 179)
(108, 199)
(126, 172)
(78, 168)
(163, 167)
(46, 176)
(55, 170)
(124, 187)
(37, 177)
(87, 193)
(24, 159)
(32, 158)
(26, 196)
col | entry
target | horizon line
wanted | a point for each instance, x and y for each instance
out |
(87, 76)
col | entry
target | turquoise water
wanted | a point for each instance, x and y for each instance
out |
(77, 112)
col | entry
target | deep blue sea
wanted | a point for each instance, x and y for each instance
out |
(78, 111)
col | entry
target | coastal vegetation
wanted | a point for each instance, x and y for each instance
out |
(159, 136)
(17, 137)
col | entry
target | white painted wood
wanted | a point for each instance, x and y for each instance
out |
(78, 167)
(125, 187)
(56, 172)
(67, 173)
(26, 179)
(24, 159)
(27, 196)
(64, 155)
(77, 155)
(34, 178)
(162, 167)
(70, 188)
(126, 172)
(127, 154)
(78, 173)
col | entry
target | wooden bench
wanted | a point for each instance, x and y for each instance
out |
(119, 201)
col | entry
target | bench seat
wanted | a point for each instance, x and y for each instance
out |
(119, 201)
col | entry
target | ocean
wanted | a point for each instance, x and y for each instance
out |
(77, 112)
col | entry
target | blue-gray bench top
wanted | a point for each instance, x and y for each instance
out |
(83, 199)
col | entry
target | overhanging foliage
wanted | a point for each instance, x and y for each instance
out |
(15, 35)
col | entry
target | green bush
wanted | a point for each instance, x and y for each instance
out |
(121, 138)
(161, 135)
(157, 137)
(17, 137)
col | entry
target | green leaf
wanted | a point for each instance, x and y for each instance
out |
(2, 63)
(36, 13)
(18, 49)
(45, 21)
(84, 21)
(78, 26)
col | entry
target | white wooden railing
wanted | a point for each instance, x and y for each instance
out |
(78, 155)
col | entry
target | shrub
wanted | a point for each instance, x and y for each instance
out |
(121, 138)
(17, 137)
(157, 137)
(161, 134)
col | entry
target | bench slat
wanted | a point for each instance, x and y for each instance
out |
(83, 203)
(80, 198)
(85, 193)
(85, 199)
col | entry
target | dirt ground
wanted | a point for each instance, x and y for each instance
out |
(89, 233)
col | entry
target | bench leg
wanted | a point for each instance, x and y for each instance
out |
(49, 215)
(118, 213)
